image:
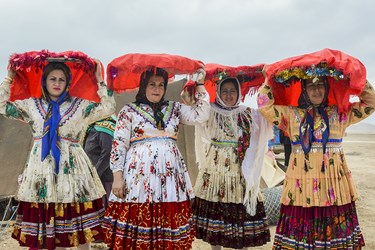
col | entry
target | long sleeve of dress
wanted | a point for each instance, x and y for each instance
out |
(121, 140)
(365, 107)
(18, 110)
(275, 114)
(200, 112)
(105, 108)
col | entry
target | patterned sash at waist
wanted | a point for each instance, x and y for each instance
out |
(232, 144)
(152, 138)
(333, 145)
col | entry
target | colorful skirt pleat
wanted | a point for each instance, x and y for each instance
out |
(333, 227)
(228, 224)
(154, 226)
(51, 225)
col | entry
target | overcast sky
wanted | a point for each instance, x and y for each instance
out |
(231, 32)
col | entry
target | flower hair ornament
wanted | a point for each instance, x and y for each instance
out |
(290, 75)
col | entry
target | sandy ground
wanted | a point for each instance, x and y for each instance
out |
(359, 150)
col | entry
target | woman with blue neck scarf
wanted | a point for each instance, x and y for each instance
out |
(60, 193)
(318, 208)
(228, 207)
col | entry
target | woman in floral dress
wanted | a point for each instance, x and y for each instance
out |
(150, 204)
(60, 194)
(318, 201)
(228, 211)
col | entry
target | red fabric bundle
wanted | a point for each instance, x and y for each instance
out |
(29, 68)
(124, 72)
(346, 76)
(250, 77)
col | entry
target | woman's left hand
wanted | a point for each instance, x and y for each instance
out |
(98, 71)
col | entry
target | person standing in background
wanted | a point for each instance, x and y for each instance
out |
(98, 145)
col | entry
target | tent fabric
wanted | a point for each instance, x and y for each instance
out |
(346, 76)
(15, 145)
(250, 77)
(29, 69)
(124, 72)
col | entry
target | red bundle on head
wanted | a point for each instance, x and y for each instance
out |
(250, 77)
(29, 69)
(346, 76)
(124, 72)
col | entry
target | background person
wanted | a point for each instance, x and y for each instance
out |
(98, 145)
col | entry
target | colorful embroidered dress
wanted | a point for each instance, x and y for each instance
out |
(156, 211)
(61, 209)
(222, 145)
(318, 200)
(230, 147)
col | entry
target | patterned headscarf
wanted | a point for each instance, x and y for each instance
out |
(307, 124)
(51, 138)
(237, 85)
(142, 98)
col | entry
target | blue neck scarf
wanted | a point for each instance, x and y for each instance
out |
(306, 129)
(51, 138)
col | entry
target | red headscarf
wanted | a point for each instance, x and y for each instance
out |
(29, 68)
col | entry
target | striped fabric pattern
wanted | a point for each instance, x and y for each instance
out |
(166, 225)
(49, 225)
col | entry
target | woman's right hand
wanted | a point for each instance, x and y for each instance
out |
(201, 75)
(118, 185)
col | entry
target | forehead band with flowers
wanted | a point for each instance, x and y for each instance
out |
(288, 76)
(242, 74)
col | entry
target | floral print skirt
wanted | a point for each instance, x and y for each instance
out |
(51, 225)
(164, 225)
(228, 224)
(333, 227)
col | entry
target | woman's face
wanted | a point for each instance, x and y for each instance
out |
(155, 89)
(316, 91)
(56, 83)
(229, 94)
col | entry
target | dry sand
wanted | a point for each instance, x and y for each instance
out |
(359, 150)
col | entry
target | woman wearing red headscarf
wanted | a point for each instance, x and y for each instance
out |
(318, 201)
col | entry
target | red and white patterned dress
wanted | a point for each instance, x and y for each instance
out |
(156, 212)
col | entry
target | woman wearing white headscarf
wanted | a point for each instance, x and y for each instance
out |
(228, 211)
